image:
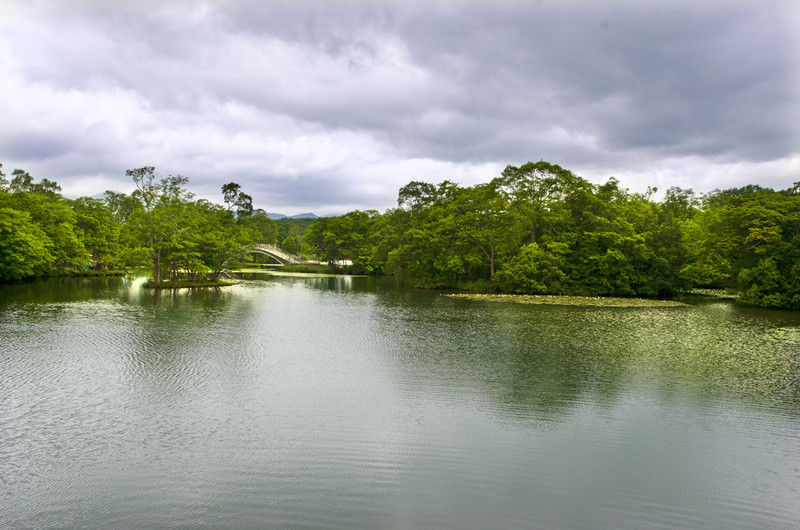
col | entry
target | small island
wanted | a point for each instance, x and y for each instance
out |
(185, 284)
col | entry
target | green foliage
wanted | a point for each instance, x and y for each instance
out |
(22, 182)
(41, 233)
(234, 198)
(749, 238)
(99, 232)
(763, 285)
(24, 247)
(537, 228)
(351, 237)
(262, 228)
(293, 227)
(55, 223)
(289, 244)
(534, 270)
(195, 238)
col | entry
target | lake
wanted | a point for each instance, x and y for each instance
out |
(355, 403)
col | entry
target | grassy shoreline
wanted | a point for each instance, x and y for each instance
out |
(89, 274)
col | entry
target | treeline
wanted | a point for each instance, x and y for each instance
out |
(539, 228)
(159, 225)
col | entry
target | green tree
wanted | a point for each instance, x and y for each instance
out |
(534, 270)
(159, 222)
(478, 223)
(290, 245)
(347, 237)
(98, 231)
(127, 211)
(222, 242)
(748, 238)
(3, 180)
(234, 198)
(296, 228)
(22, 181)
(24, 247)
(532, 191)
(53, 215)
(763, 285)
(121, 206)
(264, 229)
(420, 248)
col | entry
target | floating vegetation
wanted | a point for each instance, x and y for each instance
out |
(788, 334)
(587, 301)
(714, 293)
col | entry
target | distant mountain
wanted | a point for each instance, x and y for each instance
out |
(276, 216)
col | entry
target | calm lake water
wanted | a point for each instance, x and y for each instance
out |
(353, 403)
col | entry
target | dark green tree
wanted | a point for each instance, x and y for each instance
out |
(289, 244)
(236, 200)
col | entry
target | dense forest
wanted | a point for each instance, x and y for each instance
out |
(159, 225)
(541, 229)
(537, 228)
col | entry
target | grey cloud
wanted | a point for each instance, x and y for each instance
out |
(213, 87)
(323, 193)
(29, 146)
(678, 74)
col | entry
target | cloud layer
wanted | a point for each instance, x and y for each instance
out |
(330, 107)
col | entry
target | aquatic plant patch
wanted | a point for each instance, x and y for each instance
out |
(587, 301)
(787, 334)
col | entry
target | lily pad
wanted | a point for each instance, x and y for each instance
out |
(788, 334)
(586, 301)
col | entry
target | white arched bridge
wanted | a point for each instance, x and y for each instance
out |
(276, 253)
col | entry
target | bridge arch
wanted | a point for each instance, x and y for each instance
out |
(275, 253)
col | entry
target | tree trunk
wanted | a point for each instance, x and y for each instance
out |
(157, 267)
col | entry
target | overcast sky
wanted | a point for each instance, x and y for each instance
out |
(331, 106)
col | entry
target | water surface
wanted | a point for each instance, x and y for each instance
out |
(351, 402)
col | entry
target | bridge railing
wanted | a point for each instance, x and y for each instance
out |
(278, 253)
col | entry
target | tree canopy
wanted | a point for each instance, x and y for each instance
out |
(160, 224)
(539, 228)
(536, 228)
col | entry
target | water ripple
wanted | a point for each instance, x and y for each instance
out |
(342, 404)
